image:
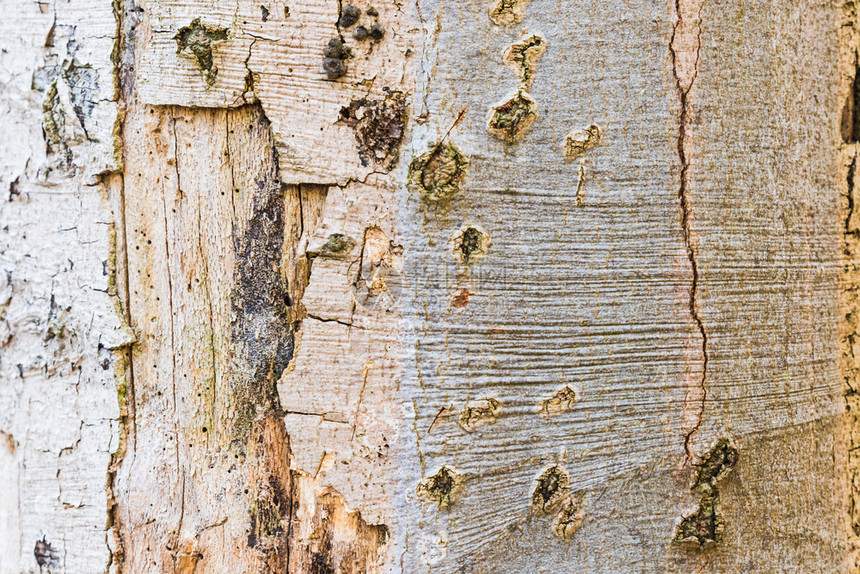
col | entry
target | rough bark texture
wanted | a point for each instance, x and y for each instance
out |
(61, 332)
(487, 287)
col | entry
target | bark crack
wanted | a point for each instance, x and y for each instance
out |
(124, 15)
(850, 197)
(170, 291)
(338, 321)
(175, 549)
(684, 81)
(210, 311)
(233, 188)
(364, 374)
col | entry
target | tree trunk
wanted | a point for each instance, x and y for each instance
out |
(316, 287)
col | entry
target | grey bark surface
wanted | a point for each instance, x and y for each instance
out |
(529, 286)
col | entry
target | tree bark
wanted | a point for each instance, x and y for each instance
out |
(437, 287)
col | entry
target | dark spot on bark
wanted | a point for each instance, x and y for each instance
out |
(439, 172)
(471, 244)
(716, 465)
(335, 49)
(379, 126)
(551, 489)
(705, 525)
(333, 68)
(509, 120)
(334, 58)
(349, 16)
(360, 33)
(197, 41)
(337, 243)
(376, 32)
(442, 487)
(321, 561)
(46, 556)
(265, 13)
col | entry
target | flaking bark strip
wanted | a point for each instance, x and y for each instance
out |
(850, 123)
(261, 332)
(340, 541)
(55, 130)
(261, 319)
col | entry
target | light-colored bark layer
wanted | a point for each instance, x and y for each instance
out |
(59, 319)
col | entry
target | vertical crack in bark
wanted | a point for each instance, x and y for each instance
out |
(122, 57)
(688, 77)
(849, 68)
(850, 196)
(125, 388)
(211, 314)
(364, 374)
(175, 551)
(172, 331)
(233, 189)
